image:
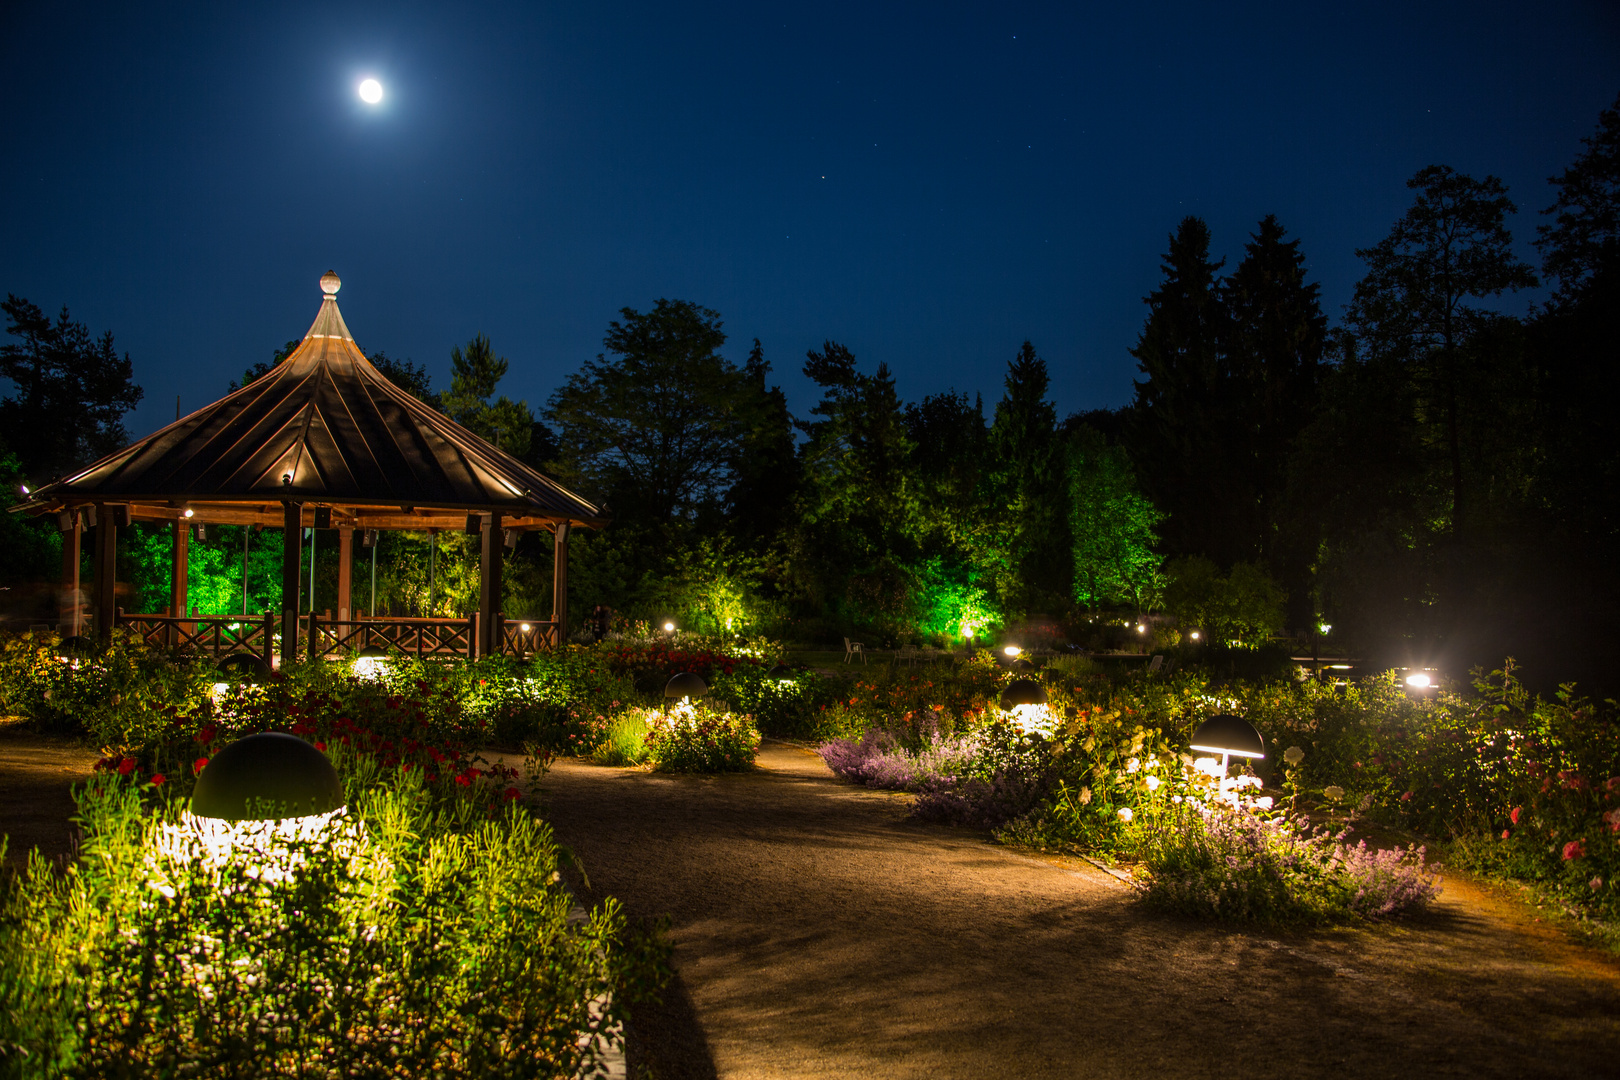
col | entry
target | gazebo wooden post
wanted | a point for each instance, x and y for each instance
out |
(559, 583)
(179, 591)
(345, 572)
(292, 547)
(72, 603)
(489, 583)
(106, 572)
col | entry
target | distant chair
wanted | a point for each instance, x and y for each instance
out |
(853, 647)
(929, 654)
(908, 653)
(1156, 663)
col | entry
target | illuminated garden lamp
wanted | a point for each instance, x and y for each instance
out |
(780, 673)
(669, 628)
(1012, 652)
(1420, 684)
(684, 687)
(241, 668)
(1195, 635)
(270, 776)
(370, 661)
(1229, 736)
(1026, 699)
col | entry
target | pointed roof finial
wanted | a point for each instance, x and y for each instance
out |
(331, 283)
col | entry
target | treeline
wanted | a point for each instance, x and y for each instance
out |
(1427, 478)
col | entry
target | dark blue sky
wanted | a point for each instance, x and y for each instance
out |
(929, 184)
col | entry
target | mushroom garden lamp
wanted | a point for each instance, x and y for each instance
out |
(780, 673)
(239, 667)
(1229, 736)
(684, 687)
(269, 793)
(1026, 699)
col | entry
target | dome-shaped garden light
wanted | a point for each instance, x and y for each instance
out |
(684, 687)
(1026, 699)
(1229, 736)
(780, 673)
(270, 776)
(242, 668)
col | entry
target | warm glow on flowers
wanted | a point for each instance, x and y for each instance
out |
(1334, 792)
(1293, 755)
(1125, 813)
(1153, 783)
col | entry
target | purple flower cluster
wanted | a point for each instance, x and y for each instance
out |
(1385, 882)
(959, 779)
(879, 760)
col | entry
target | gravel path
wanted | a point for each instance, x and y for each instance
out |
(818, 933)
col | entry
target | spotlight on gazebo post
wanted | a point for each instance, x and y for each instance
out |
(1229, 736)
(683, 688)
(1026, 699)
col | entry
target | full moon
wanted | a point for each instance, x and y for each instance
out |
(371, 91)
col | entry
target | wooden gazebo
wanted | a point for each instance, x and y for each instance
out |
(322, 441)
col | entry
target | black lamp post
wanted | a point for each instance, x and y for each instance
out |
(270, 776)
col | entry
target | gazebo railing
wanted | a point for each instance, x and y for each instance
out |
(216, 635)
(519, 637)
(323, 635)
(413, 637)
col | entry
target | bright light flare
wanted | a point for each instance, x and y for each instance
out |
(1012, 650)
(1195, 635)
(1419, 681)
(371, 91)
(669, 628)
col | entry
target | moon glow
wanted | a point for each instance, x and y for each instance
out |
(371, 91)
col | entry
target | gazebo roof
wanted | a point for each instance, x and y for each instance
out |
(324, 427)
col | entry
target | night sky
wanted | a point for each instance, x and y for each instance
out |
(928, 184)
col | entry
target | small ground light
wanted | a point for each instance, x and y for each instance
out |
(524, 627)
(669, 628)
(241, 668)
(1324, 628)
(1194, 635)
(1229, 736)
(1026, 699)
(684, 687)
(1012, 651)
(780, 673)
(1141, 628)
(370, 662)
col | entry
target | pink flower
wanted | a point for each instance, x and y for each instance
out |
(1407, 797)
(1575, 849)
(1505, 834)
(1596, 883)
(1514, 816)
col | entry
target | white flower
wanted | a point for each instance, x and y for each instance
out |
(1209, 765)
(1293, 755)
(1085, 796)
(1334, 792)
(1263, 803)
(1125, 813)
(1249, 781)
(1132, 765)
(1176, 799)
(1153, 783)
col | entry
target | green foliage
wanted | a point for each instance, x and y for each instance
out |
(1112, 526)
(69, 392)
(475, 373)
(1240, 609)
(624, 741)
(699, 741)
(408, 936)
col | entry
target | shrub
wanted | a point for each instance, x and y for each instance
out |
(624, 740)
(695, 741)
(419, 933)
(1229, 863)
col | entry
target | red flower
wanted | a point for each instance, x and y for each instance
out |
(322, 746)
(1575, 849)
(126, 766)
(207, 734)
(1407, 797)
(1504, 834)
(158, 778)
(1514, 817)
(513, 793)
(463, 781)
(197, 766)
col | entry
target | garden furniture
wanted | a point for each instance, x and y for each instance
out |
(853, 647)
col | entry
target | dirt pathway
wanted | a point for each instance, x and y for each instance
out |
(818, 933)
(37, 774)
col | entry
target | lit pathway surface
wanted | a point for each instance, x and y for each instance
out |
(818, 933)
